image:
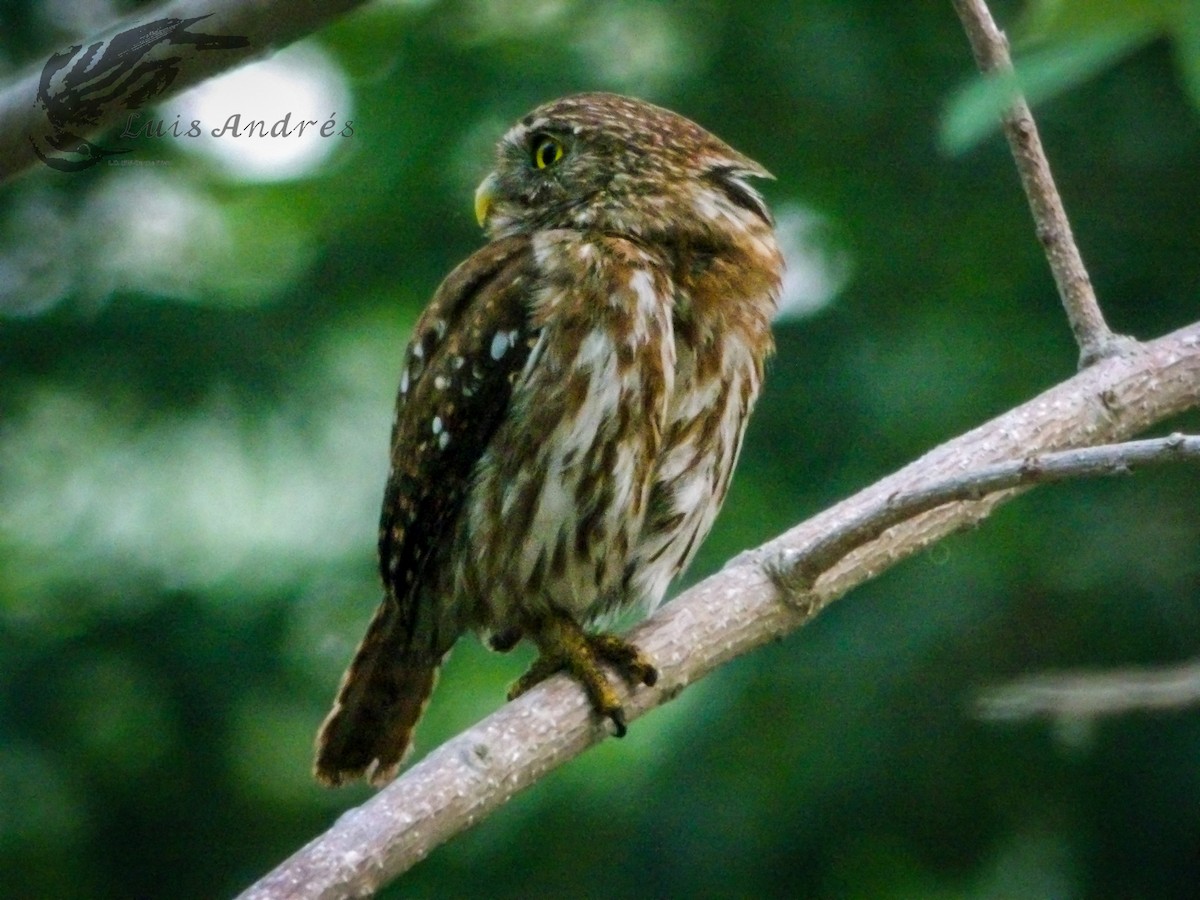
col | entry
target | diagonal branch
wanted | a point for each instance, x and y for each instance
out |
(723, 617)
(1092, 333)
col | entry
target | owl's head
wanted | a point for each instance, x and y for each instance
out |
(605, 163)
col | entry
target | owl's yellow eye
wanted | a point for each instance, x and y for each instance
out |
(547, 150)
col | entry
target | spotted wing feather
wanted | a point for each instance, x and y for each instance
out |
(466, 352)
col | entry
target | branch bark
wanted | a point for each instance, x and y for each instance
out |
(990, 47)
(725, 616)
(266, 24)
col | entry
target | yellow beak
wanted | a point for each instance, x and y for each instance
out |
(485, 196)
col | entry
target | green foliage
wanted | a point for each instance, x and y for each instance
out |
(1063, 45)
(196, 376)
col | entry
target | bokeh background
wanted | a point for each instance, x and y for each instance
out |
(198, 352)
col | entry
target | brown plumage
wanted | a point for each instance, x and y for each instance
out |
(570, 412)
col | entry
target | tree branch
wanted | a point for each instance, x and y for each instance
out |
(266, 24)
(796, 571)
(1088, 695)
(1092, 333)
(723, 617)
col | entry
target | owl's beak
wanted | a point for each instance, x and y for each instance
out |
(485, 196)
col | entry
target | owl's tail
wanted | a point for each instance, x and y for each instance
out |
(382, 695)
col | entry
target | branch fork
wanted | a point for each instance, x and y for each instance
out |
(1095, 339)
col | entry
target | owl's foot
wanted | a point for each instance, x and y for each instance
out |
(564, 645)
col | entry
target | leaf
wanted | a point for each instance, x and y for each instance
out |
(974, 110)
(1056, 20)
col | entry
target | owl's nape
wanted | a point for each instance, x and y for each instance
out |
(564, 646)
(571, 409)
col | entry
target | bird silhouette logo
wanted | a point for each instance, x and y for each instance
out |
(79, 84)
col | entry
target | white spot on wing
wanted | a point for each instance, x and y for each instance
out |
(437, 425)
(500, 342)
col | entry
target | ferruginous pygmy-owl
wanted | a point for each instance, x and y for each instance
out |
(571, 408)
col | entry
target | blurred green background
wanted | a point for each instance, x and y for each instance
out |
(198, 353)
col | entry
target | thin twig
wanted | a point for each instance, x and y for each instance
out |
(1092, 333)
(1089, 695)
(799, 569)
(723, 617)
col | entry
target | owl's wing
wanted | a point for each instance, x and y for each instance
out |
(469, 347)
(467, 351)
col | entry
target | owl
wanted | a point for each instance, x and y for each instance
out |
(571, 408)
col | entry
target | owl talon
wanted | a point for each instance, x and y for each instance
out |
(563, 645)
(625, 658)
(617, 717)
(543, 667)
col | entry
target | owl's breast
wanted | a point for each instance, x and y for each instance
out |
(722, 330)
(560, 495)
